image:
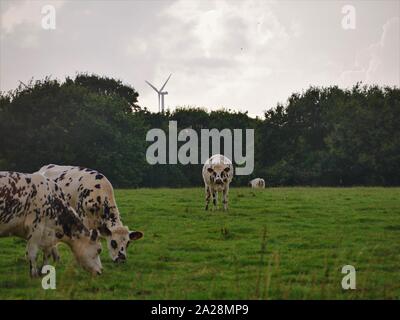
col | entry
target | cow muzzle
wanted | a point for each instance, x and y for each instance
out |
(219, 181)
(97, 271)
(121, 258)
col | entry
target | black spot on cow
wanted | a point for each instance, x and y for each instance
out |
(99, 176)
(106, 211)
(51, 166)
(85, 193)
(94, 235)
(28, 180)
(61, 178)
(104, 231)
(70, 223)
(97, 186)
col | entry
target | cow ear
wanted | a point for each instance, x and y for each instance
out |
(210, 170)
(94, 235)
(104, 231)
(135, 235)
(227, 169)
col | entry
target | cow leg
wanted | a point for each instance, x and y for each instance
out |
(208, 196)
(32, 251)
(215, 199)
(46, 256)
(55, 254)
(50, 252)
(225, 197)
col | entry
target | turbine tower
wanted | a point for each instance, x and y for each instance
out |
(161, 94)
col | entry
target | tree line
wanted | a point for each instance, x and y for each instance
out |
(323, 136)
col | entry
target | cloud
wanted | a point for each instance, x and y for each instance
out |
(219, 52)
(384, 63)
(244, 55)
(379, 63)
(22, 20)
(24, 12)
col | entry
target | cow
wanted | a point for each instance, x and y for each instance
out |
(91, 194)
(33, 207)
(217, 175)
(257, 183)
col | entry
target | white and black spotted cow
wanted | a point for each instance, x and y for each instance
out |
(257, 183)
(92, 196)
(34, 208)
(217, 175)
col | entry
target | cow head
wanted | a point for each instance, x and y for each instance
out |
(118, 241)
(219, 175)
(87, 250)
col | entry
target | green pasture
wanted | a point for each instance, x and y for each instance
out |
(277, 243)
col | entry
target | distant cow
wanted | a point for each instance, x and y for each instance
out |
(217, 175)
(34, 208)
(257, 183)
(92, 196)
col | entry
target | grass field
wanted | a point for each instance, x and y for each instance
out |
(278, 243)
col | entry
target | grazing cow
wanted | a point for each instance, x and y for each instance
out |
(34, 208)
(217, 175)
(92, 196)
(257, 183)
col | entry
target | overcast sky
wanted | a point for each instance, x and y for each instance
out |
(243, 55)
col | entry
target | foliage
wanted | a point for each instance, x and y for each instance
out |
(322, 136)
(67, 123)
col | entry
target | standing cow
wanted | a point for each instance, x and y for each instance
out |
(217, 175)
(257, 183)
(34, 208)
(92, 196)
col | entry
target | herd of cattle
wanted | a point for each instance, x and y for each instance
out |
(76, 206)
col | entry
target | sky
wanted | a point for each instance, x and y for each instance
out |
(240, 55)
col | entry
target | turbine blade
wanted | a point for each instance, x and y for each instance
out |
(165, 82)
(152, 86)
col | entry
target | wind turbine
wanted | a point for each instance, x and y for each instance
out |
(161, 94)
